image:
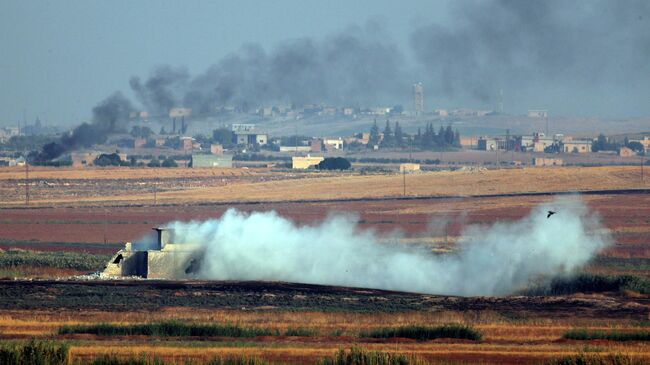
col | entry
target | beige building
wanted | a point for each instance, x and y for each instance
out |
(543, 161)
(409, 167)
(216, 149)
(303, 163)
(576, 146)
(626, 152)
(333, 143)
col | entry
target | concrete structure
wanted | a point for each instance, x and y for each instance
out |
(139, 142)
(167, 259)
(418, 98)
(303, 163)
(202, 161)
(83, 159)
(333, 143)
(179, 112)
(441, 112)
(493, 143)
(543, 161)
(538, 142)
(577, 146)
(295, 148)
(187, 143)
(316, 145)
(409, 167)
(626, 152)
(251, 138)
(216, 149)
(538, 113)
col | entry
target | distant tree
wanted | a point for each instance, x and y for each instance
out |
(334, 163)
(154, 163)
(174, 142)
(224, 137)
(169, 162)
(440, 137)
(389, 137)
(449, 136)
(399, 135)
(397, 109)
(141, 132)
(133, 161)
(457, 139)
(162, 131)
(600, 144)
(374, 135)
(111, 159)
(635, 146)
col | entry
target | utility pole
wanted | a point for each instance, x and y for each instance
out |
(26, 183)
(642, 177)
(155, 190)
(404, 180)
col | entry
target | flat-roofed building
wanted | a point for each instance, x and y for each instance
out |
(577, 146)
(203, 161)
(544, 161)
(303, 163)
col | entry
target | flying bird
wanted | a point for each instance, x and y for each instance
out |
(550, 213)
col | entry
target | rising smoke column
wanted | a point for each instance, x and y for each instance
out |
(492, 260)
(576, 49)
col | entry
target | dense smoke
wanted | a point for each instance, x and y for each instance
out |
(491, 260)
(548, 48)
(357, 66)
(546, 52)
(109, 116)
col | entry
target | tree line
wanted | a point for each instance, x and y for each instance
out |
(394, 137)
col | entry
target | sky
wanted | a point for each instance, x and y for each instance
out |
(60, 58)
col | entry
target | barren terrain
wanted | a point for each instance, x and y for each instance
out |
(93, 211)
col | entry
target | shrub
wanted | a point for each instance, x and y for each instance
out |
(334, 163)
(34, 353)
(594, 359)
(598, 283)
(61, 260)
(358, 356)
(165, 329)
(299, 332)
(169, 162)
(583, 334)
(422, 333)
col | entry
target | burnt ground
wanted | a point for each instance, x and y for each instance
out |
(149, 295)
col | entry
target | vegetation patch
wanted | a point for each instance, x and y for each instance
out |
(422, 333)
(592, 283)
(583, 334)
(34, 353)
(358, 356)
(168, 329)
(61, 260)
(595, 359)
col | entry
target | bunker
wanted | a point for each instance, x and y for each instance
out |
(166, 259)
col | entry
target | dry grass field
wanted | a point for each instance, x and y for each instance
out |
(91, 211)
(111, 186)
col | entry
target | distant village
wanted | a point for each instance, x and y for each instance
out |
(168, 141)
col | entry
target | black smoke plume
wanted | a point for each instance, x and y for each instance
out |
(543, 47)
(109, 116)
(357, 66)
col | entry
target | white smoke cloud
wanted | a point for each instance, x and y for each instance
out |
(492, 260)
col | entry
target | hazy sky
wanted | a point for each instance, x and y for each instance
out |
(60, 58)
